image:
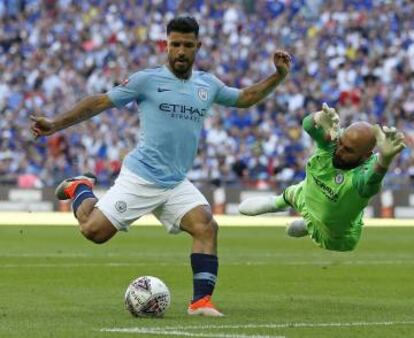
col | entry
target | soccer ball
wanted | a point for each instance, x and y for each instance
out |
(147, 296)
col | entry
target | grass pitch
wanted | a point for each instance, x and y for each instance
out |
(54, 283)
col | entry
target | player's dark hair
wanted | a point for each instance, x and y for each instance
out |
(183, 24)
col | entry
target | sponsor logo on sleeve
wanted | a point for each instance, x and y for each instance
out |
(203, 93)
(161, 90)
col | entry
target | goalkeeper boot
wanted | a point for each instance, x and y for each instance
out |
(261, 205)
(297, 228)
(66, 189)
(203, 307)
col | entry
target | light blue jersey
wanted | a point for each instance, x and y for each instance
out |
(171, 112)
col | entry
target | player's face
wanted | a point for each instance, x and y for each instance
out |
(182, 49)
(347, 154)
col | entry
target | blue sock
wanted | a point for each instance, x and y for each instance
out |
(204, 274)
(82, 192)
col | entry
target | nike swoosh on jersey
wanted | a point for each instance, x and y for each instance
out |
(160, 90)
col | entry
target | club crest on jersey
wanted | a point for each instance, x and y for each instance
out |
(203, 94)
(339, 178)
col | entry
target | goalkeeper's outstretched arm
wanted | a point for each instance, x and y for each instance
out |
(390, 142)
(322, 126)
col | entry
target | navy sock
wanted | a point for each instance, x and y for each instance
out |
(204, 274)
(82, 192)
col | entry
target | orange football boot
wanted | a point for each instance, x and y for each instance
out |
(66, 189)
(203, 307)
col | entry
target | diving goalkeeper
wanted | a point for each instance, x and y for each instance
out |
(341, 176)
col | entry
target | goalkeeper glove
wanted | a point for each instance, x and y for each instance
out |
(328, 120)
(389, 143)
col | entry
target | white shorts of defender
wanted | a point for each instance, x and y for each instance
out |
(132, 197)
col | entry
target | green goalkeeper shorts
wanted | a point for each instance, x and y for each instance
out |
(295, 197)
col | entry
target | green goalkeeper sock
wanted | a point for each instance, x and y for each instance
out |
(280, 202)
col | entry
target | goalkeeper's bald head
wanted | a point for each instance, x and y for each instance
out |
(363, 135)
(354, 146)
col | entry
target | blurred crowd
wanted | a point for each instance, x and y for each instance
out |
(356, 55)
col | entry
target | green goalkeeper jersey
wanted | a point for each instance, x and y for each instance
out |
(334, 198)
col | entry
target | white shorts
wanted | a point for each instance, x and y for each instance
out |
(132, 197)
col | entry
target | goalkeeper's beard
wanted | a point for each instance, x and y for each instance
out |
(339, 163)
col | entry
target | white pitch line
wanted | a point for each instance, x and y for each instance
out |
(82, 254)
(257, 257)
(77, 265)
(176, 332)
(290, 325)
(115, 264)
(356, 262)
(25, 218)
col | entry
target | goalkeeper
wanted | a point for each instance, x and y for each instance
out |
(341, 177)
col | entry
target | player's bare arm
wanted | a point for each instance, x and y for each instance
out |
(85, 109)
(255, 93)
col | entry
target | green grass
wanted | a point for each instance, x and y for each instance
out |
(54, 283)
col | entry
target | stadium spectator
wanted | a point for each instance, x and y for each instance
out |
(356, 55)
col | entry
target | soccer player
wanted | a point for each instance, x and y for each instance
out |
(341, 177)
(173, 102)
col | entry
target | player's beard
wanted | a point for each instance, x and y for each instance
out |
(339, 163)
(182, 69)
